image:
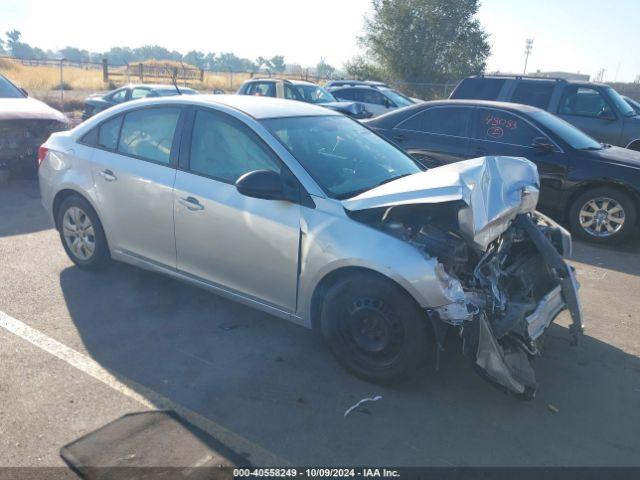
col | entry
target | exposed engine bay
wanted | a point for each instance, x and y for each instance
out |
(506, 273)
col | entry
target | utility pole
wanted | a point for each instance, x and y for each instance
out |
(528, 46)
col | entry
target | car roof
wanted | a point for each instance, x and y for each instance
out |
(507, 76)
(152, 86)
(258, 107)
(388, 120)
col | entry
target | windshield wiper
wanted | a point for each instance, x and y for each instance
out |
(392, 179)
(355, 193)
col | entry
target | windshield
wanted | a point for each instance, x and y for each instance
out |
(8, 90)
(619, 102)
(341, 155)
(567, 132)
(398, 98)
(315, 94)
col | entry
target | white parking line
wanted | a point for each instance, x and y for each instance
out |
(149, 398)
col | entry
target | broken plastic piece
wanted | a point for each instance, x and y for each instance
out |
(364, 400)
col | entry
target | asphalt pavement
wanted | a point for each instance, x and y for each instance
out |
(80, 349)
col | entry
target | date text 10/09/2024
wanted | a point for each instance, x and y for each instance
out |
(315, 473)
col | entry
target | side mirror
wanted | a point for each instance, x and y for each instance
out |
(265, 184)
(386, 102)
(543, 144)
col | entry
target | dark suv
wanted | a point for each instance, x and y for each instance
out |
(594, 108)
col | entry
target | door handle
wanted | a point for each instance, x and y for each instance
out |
(108, 175)
(191, 203)
(400, 137)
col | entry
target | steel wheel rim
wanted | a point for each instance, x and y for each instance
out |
(78, 233)
(372, 318)
(601, 217)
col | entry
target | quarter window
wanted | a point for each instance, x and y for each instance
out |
(442, 121)
(149, 133)
(583, 101)
(503, 127)
(225, 149)
(108, 133)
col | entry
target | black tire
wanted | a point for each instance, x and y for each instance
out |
(622, 198)
(396, 339)
(100, 256)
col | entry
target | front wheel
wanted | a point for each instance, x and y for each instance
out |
(603, 215)
(375, 329)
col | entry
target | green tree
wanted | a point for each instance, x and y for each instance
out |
(360, 68)
(432, 41)
(277, 63)
(324, 70)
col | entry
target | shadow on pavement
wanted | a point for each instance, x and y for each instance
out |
(276, 385)
(624, 257)
(20, 209)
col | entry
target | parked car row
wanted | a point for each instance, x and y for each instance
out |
(594, 186)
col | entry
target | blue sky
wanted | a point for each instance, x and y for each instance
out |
(569, 35)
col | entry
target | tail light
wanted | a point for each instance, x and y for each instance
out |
(42, 152)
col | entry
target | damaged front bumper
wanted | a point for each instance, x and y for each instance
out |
(502, 339)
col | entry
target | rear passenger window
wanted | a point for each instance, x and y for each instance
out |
(533, 92)
(108, 133)
(149, 133)
(442, 121)
(479, 89)
(348, 94)
(263, 89)
(223, 148)
(500, 126)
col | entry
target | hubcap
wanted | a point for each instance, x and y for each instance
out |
(602, 217)
(78, 233)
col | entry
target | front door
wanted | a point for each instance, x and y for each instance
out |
(498, 132)
(244, 245)
(589, 110)
(134, 177)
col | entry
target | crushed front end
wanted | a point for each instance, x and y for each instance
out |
(500, 261)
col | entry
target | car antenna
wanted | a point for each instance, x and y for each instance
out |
(174, 78)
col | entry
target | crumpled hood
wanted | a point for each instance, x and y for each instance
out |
(495, 190)
(28, 108)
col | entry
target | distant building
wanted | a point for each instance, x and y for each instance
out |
(564, 75)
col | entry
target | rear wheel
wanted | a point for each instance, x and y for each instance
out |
(603, 215)
(375, 329)
(81, 233)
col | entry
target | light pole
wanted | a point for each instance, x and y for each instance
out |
(528, 46)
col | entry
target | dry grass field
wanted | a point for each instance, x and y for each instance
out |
(43, 81)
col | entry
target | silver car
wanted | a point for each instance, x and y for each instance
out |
(309, 216)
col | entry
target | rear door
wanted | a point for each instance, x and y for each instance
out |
(499, 132)
(436, 136)
(134, 168)
(241, 244)
(589, 109)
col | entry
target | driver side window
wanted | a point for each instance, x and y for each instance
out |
(584, 102)
(148, 133)
(223, 148)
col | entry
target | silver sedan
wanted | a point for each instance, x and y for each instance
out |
(309, 216)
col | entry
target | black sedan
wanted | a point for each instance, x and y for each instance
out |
(596, 187)
(97, 103)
